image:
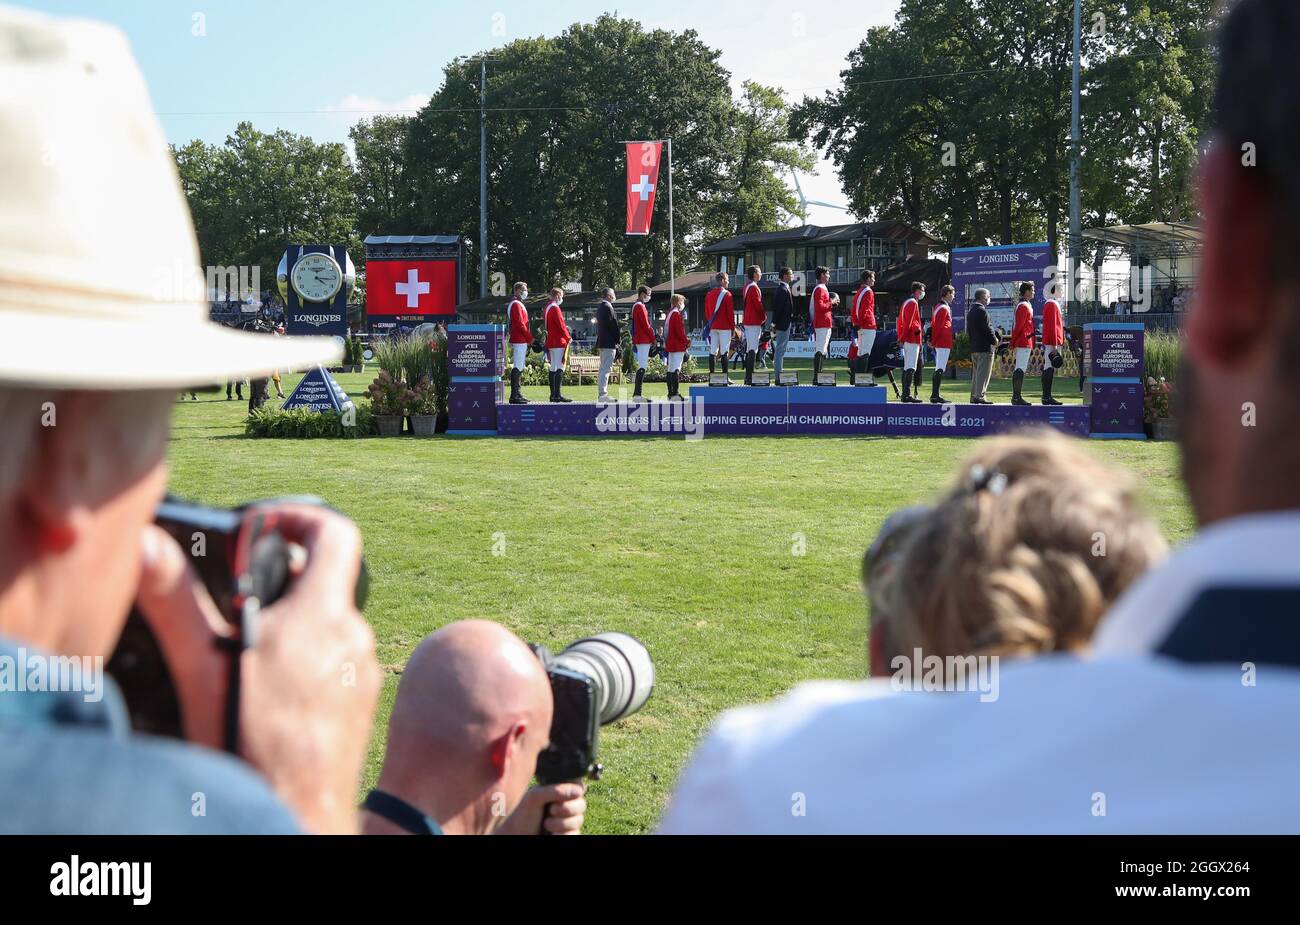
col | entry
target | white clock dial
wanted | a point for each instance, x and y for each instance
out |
(316, 277)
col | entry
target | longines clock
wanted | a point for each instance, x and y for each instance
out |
(314, 281)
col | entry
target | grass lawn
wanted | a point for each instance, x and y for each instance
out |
(738, 598)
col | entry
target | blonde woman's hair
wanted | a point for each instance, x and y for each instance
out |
(1023, 555)
(678, 299)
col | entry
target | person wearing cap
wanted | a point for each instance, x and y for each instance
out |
(84, 236)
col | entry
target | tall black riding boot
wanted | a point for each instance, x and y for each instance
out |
(749, 367)
(918, 380)
(907, 385)
(516, 396)
(817, 366)
(555, 386)
(559, 381)
(1049, 374)
(713, 363)
(725, 371)
(640, 378)
(853, 372)
(935, 397)
(1017, 383)
(672, 385)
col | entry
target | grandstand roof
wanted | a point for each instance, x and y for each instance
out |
(817, 234)
(1151, 238)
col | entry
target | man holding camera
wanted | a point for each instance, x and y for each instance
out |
(473, 712)
(82, 469)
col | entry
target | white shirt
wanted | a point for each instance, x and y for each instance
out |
(1122, 743)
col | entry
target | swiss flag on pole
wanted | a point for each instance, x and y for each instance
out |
(642, 183)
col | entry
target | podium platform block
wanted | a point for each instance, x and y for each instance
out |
(719, 379)
(760, 378)
(788, 378)
(825, 379)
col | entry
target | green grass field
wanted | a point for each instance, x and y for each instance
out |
(735, 560)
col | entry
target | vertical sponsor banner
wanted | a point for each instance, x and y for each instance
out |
(642, 183)
(1115, 363)
(1000, 270)
(475, 360)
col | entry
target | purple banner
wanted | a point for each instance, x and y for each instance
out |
(472, 406)
(700, 417)
(475, 350)
(1115, 351)
(1000, 270)
(1116, 409)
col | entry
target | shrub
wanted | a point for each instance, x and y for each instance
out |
(303, 423)
(961, 346)
(1163, 351)
(1157, 400)
(411, 359)
(388, 395)
(424, 398)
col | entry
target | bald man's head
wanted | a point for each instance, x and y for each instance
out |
(472, 712)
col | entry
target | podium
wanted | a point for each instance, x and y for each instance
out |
(476, 356)
(1114, 360)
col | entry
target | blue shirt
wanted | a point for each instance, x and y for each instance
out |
(69, 764)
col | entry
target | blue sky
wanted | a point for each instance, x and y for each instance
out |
(317, 66)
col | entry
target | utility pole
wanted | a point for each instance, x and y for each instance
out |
(1075, 243)
(482, 171)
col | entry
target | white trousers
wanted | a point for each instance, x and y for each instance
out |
(519, 353)
(557, 358)
(1022, 357)
(866, 340)
(941, 358)
(752, 333)
(675, 361)
(910, 354)
(721, 341)
(602, 377)
(642, 356)
(823, 340)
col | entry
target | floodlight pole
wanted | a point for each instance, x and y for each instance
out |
(1075, 241)
(672, 269)
(482, 179)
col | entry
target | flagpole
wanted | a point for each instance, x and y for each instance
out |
(672, 267)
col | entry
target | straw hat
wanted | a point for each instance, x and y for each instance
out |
(100, 285)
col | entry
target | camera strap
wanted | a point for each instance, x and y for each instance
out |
(400, 813)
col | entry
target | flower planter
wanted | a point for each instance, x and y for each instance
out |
(1163, 429)
(422, 425)
(390, 425)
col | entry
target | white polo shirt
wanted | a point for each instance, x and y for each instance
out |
(1125, 742)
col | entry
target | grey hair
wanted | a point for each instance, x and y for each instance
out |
(608, 294)
(981, 295)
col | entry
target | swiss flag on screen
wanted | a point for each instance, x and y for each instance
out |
(411, 287)
(642, 180)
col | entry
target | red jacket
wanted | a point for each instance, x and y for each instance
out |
(820, 300)
(864, 309)
(754, 312)
(675, 339)
(642, 333)
(909, 322)
(1053, 330)
(557, 332)
(941, 327)
(1022, 331)
(727, 319)
(519, 332)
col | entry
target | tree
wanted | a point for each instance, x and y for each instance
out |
(385, 198)
(758, 198)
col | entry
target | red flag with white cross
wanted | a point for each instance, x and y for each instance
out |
(642, 181)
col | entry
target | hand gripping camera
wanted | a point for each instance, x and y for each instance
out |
(594, 682)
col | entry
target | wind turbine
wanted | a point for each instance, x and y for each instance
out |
(805, 202)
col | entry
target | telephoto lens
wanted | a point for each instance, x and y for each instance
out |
(620, 668)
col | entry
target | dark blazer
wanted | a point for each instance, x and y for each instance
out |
(982, 338)
(782, 307)
(608, 331)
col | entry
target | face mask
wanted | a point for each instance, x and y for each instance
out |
(523, 295)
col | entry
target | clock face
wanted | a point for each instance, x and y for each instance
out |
(316, 277)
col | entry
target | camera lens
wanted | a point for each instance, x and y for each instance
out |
(620, 669)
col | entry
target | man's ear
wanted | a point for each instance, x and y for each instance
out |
(53, 499)
(503, 748)
(1234, 306)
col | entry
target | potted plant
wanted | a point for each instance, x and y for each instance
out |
(423, 408)
(388, 398)
(1156, 408)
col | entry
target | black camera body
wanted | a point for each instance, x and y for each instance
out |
(244, 563)
(595, 681)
